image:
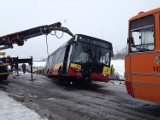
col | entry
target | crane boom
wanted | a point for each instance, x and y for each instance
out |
(7, 41)
(18, 38)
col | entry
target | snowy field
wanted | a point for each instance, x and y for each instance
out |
(119, 66)
(39, 63)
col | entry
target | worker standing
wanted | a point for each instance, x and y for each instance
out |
(24, 67)
(112, 71)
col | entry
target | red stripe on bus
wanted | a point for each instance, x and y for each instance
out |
(74, 72)
(99, 77)
(55, 72)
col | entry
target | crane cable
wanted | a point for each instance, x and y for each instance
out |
(53, 35)
(47, 45)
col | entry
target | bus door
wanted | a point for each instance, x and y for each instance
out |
(143, 61)
(67, 58)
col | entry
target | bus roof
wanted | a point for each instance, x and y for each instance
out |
(93, 38)
(143, 14)
(74, 38)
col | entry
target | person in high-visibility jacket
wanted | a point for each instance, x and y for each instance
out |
(112, 70)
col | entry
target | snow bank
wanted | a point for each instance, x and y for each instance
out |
(12, 110)
(39, 64)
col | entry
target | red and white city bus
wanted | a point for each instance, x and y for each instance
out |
(83, 58)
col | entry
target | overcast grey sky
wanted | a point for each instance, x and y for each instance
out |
(105, 19)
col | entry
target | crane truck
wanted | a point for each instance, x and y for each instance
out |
(19, 38)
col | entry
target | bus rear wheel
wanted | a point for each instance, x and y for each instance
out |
(60, 75)
(48, 73)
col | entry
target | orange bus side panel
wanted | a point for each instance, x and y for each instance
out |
(128, 82)
(147, 92)
(143, 63)
(147, 79)
(127, 64)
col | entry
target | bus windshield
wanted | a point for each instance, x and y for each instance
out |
(142, 34)
(86, 53)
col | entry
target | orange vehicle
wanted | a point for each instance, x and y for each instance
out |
(142, 63)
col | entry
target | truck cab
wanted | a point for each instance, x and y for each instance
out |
(5, 63)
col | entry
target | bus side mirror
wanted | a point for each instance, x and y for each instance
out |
(112, 54)
(130, 41)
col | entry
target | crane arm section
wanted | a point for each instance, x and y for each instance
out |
(18, 38)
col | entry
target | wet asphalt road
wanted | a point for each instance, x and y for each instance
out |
(97, 101)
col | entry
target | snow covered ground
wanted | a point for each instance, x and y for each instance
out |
(119, 66)
(12, 110)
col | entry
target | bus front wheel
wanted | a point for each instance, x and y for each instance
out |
(48, 73)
